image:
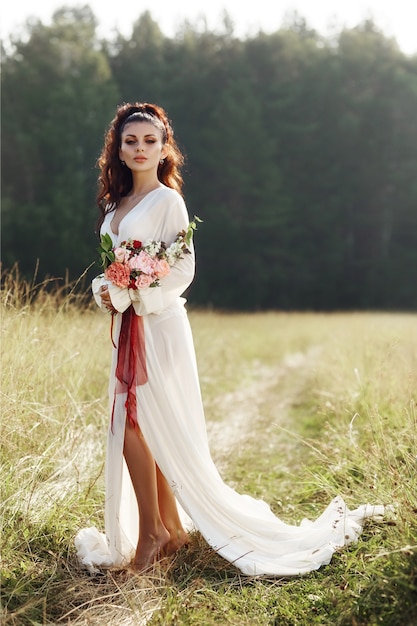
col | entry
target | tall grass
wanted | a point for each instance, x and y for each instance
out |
(299, 407)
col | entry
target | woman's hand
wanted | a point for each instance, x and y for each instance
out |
(105, 298)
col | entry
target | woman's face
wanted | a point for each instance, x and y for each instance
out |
(141, 146)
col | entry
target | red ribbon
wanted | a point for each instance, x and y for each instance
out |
(131, 362)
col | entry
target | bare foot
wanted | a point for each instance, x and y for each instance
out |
(149, 550)
(178, 539)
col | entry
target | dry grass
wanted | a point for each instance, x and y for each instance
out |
(323, 403)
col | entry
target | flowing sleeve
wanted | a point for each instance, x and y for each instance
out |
(155, 299)
(97, 283)
(121, 298)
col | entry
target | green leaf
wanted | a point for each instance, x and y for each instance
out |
(105, 250)
(191, 227)
(106, 242)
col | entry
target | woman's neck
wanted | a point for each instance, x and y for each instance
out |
(143, 185)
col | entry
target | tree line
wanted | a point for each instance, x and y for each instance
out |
(301, 155)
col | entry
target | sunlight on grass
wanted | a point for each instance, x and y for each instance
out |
(300, 407)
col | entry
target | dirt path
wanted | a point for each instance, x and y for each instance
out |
(260, 408)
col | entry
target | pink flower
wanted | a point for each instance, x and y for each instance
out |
(143, 281)
(162, 268)
(134, 262)
(142, 262)
(121, 255)
(118, 274)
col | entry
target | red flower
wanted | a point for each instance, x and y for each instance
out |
(137, 244)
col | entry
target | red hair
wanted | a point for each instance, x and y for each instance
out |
(115, 179)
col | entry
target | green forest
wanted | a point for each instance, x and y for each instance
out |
(301, 155)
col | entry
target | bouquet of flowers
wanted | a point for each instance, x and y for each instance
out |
(137, 265)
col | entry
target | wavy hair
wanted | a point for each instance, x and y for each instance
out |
(115, 179)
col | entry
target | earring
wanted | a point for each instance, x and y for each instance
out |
(161, 161)
(122, 162)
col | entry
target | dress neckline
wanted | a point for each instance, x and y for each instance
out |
(132, 209)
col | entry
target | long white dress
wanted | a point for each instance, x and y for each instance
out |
(240, 528)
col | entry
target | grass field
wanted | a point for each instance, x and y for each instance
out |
(300, 407)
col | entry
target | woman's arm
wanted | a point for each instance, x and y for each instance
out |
(156, 299)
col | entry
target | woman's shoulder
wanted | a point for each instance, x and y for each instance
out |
(171, 208)
(170, 199)
(170, 194)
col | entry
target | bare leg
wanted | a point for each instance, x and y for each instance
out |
(153, 536)
(169, 515)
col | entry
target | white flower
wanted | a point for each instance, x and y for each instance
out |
(152, 247)
(173, 252)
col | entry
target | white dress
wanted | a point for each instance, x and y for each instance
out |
(240, 528)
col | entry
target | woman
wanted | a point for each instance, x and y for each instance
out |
(158, 453)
